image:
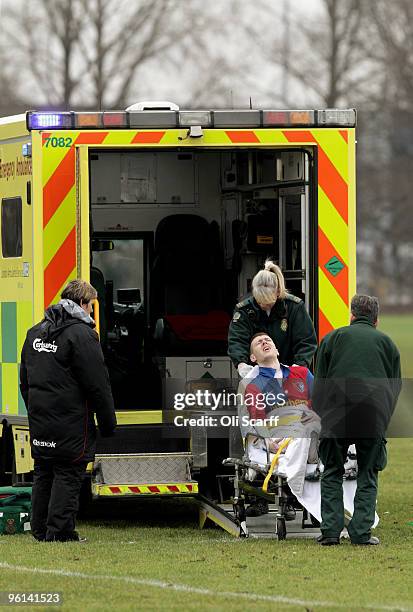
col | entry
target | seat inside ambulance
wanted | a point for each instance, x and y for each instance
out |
(187, 287)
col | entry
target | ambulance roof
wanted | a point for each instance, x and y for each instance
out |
(12, 119)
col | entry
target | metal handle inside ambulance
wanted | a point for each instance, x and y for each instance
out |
(96, 315)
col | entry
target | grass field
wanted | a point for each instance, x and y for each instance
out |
(400, 329)
(153, 556)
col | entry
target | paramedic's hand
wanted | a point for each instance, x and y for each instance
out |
(244, 369)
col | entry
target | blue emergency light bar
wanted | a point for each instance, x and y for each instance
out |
(41, 121)
(171, 119)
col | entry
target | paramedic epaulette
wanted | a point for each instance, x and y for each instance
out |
(292, 298)
(243, 303)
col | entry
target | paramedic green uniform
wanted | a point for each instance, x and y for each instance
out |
(288, 325)
(357, 371)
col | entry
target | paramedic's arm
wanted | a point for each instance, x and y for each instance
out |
(90, 370)
(322, 359)
(303, 337)
(239, 338)
(320, 379)
(24, 383)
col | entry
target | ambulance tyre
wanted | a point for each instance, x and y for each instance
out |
(281, 529)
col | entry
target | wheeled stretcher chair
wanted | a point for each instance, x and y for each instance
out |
(261, 473)
(288, 478)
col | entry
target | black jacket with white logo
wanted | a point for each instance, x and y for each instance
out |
(64, 381)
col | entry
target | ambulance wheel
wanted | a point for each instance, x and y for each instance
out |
(281, 529)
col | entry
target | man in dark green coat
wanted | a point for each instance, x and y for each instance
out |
(357, 383)
(287, 323)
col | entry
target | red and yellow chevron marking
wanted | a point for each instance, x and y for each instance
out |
(335, 222)
(241, 136)
(336, 212)
(178, 488)
(55, 156)
(59, 219)
(59, 209)
(147, 137)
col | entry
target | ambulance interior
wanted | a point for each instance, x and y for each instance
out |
(176, 238)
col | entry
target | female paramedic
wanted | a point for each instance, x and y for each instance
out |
(272, 310)
(284, 318)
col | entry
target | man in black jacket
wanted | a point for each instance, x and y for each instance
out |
(64, 382)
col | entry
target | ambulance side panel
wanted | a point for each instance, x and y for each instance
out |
(16, 263)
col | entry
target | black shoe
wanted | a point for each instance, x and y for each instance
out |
(373, 541)
(67, 537)
(289, 513)
(258, 508)
(326, 541)
(40, 537)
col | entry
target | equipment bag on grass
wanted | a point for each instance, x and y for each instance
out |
(15, 507)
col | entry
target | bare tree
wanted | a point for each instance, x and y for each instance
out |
(221, 67)
(119, 48)
(387, 163)
(10, 103)
(324, 55)
(42, 37)
(97, 52)
(357, 53)
(394, 24)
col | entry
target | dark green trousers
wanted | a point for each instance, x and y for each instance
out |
(371, 458)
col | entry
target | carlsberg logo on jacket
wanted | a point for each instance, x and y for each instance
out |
(48, 347)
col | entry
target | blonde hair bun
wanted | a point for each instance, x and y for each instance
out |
(271, 266)
(268, 284)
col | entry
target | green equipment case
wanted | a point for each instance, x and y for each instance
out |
(15, 507)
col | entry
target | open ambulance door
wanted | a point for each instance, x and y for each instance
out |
(83, 218)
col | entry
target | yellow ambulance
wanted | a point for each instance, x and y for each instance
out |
(169, 213)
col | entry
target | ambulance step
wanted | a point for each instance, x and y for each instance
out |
(139, 489)
(209, 510)
(135, 469)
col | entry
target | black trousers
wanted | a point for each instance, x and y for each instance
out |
(55, 499)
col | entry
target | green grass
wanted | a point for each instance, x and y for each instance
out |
(160, 541)
(400, 329)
